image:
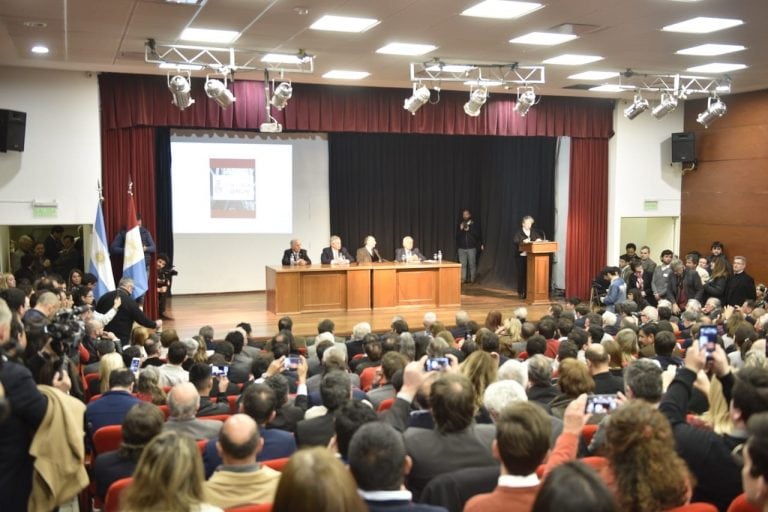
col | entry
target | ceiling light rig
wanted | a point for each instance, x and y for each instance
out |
(715, 110)
(418, 99)
(181, 89)
(218, 92)
(526, 98)
(478, 95)
(280, 95)
(638, 106)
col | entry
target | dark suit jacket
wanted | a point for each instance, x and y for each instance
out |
(315, 432)
(327, 255)
(740, 288)
(289, 253)
(644, 286)
(288, 416)
(110, 409)
(415, 251)
(691, 283)
(520, 235)
(108, 468)
(453, 490)
(607, 384)
(277, 445)
(400, 506)
(363, 256)
(129, 312)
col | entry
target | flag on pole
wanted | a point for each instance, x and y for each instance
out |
(100, 264)
(134, 265)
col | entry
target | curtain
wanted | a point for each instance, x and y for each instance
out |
(587, 236)
(163, 201)
(129, 155)
(393, 185)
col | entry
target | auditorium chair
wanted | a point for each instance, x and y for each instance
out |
(221, 417)
(112, 501)
(588, 432)
(264, 507)
(740, 504)
(94, 398)
(166, 411)
(89, 377)
(276, 464)
(694, 507)
(201, 444)
(386, 404)
(107, 439)
(232, 399)
(358, 356)
(366, 378)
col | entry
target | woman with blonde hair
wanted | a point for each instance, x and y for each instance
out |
(481, 369)
(107, 364)
(139, 336)
(627, 340)
(316, 481)
(148, 386)
(7, 281)
(168, 477)
(201, 353)
(510, 334)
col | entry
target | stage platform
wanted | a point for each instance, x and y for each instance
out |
(225, 311)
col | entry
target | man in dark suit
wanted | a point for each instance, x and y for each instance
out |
(598, 362)
(129, 312)
(408, 252)
(335, 252)
(335, 390)
(53, 244)
(642, 280)
(113, 405)
(377, 460)
(368, 253)
(683, 285)
(741, 286)
(296, 255)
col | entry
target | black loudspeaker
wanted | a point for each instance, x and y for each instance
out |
(683, 147)
(12, 127)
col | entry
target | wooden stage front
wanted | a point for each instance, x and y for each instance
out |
(225, 311)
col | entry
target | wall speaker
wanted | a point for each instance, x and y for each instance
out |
(683, 147)
(12, 127)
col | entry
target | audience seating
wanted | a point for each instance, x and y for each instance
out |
(112, 501)
(386, 404)
(89, 377)
(695, 507)
(166, 411)
(201, 445)
(588, 432)
(232, 399)
(740, 504)
(358, 356)
(276, 464)
(93, 398)
(366, 378)
(107, 439)
(220, 417)
(264, 507)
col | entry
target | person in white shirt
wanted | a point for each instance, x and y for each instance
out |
(172, 373)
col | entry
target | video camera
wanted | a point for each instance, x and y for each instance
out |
(66, 331)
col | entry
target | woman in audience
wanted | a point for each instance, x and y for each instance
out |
(575, 487)
(613, 350)
(573, 380)
(481, 369)
(718, 416)
(148, 387)
(139, 336)
(108, 362)
(7, 281)
(168, 477)
(493, 321)
(718, 279)
(627, 340)
(648, 474)
(75, 278)
(509, 336)
(201, 353)
(316, 481)
(447, 337)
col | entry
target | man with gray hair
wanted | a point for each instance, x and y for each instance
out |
(183, 403)
(502, 393)
(355, 345)
(296, 255)
(335, 252)
(462, 317)
(712, 308)
(128, 312)
(515, 370)
(741, 286)
(540, 387)
(408, 253)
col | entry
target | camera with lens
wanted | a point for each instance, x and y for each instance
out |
(164, 276)
(66, 331)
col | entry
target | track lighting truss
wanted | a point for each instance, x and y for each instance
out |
(505, 75)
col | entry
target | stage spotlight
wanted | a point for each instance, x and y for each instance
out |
(477, 98)
(281, 95)
(526, 98)
(638, 106)
(715, 110)
(667, 104)
(218, 92)
(180, 89)
(418, 99)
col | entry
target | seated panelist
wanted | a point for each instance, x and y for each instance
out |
(296, 255)
(407, 252)
(368, 253)
(336, 252)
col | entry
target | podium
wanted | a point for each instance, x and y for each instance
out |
(537, 262)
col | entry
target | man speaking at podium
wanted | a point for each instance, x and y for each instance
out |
(524, 235)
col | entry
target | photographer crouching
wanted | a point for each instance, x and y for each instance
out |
(165, 276)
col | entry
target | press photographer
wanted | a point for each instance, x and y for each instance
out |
(165, 275)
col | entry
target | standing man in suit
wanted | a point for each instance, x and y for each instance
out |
(128, 312)
(368, 253)
(643, 281)
(407, 252)
(524, 235)
(741, 286)
(296, 255)
(335, 252)
(468, 241)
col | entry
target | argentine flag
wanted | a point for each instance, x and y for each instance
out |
(99, 264)
(134, 266)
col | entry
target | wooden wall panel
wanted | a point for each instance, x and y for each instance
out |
(725, 197)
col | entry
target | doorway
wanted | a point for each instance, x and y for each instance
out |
(658, 233)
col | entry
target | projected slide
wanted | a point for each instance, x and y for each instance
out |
(237, 187)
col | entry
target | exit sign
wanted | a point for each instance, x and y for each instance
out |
(44, 211)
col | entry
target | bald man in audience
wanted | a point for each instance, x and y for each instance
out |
(240, 480)
(599, 364)
(183, 402)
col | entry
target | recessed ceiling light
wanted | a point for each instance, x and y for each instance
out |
(282, 58)
(35, 24)
(572, 60)
(544, 38)
(484, 83)
(344, 23)
(185, 2)
(594, 75)
(716, 67)
(450, 68)
(341, 74)
(711, 50)
(501, 9)
(39, 49)
(181, 67)
(406, 49)
(209, 36)
(608, 88)
(702, 25)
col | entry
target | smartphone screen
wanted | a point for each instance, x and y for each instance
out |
(601, 404)
(135, 364)
(707, 338)
(291, 362)
(436, 364)
(219, 371)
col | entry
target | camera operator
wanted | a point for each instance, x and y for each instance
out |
(164, 281)
(22, 410)
(127, 313)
